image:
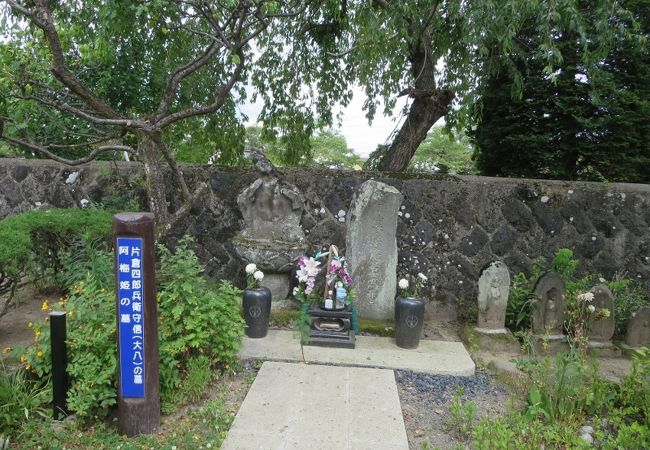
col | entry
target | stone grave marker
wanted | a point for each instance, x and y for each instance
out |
(638, 329)
(272, 237)
(493, 290)
(550, 296)
(371, 248)
(602, 330)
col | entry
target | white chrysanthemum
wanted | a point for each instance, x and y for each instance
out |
(258, 275)
(403, 283)
(586, 297)
(251, 268)
(422, 277)
(591, 308)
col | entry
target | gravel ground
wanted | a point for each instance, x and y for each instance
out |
(426, 399)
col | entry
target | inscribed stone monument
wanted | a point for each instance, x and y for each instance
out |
(638, 329)
(371, 248)
(550, 296)
(493, 290)
(602, 330)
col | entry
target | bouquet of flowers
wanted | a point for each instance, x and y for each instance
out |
(411, 289)
(309, 268)
(253, 276)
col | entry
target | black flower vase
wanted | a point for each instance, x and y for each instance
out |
(409, 318)
(257, 309)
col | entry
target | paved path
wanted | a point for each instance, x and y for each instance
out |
(310, 406)
(436, 357)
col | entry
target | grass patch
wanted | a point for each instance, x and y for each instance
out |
(283, 317)
(200, 426)
(382, 328)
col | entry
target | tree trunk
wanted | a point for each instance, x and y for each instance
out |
(429, 105)
(154, 179)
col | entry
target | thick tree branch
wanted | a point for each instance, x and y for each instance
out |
(173, 166)
(62, 106)
(220, 98)
(69, 162)
(42, 18)
(162, 232)
(180, 74)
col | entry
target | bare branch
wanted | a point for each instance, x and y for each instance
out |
(62, 106)
(69, 162)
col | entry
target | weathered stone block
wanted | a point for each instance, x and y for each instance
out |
(372, 248)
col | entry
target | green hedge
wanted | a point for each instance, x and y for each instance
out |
(34, 239)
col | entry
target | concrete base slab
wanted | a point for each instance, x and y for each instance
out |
(297, 406)
(436, 357)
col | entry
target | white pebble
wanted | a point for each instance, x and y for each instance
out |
(593, 238)
(545, 199)
(407, 215)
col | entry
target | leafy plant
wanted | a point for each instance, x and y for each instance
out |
(21, 399)
(32, 244)
(629, 297)
(197, 322)
(195, 319)
(198, 375)
(462, 414)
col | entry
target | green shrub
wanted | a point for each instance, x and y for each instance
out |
(195, 320)
(567, 386)
(91, 334)
(32, 242)
(629, 297)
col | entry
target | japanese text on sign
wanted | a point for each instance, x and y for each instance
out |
(130, 316)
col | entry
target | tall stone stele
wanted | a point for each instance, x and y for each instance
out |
(601, 330)
(371, 248)
(548, 313)
(493, 291)
(638, 329)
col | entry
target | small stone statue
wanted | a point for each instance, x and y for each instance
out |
(550, 295)
(493, 291)
(638, 329)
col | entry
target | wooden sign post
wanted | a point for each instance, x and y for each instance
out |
(138, 392)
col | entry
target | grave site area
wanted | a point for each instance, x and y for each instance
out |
(402, 326)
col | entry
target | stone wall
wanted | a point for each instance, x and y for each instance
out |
(449, 228)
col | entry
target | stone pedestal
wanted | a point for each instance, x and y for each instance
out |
(330, 328)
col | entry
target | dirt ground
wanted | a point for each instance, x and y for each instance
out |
(14, 332)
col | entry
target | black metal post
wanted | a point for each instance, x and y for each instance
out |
(59, 363)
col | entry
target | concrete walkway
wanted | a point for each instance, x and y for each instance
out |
(298, 406)
(436, 357)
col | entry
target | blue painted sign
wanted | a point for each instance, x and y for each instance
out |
(130, 279)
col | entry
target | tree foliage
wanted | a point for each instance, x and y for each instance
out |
(443, 152)
(328, 149)
(82, 79)
(588, 121)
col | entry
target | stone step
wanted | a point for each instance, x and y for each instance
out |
(435, 357)
(298, 406)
